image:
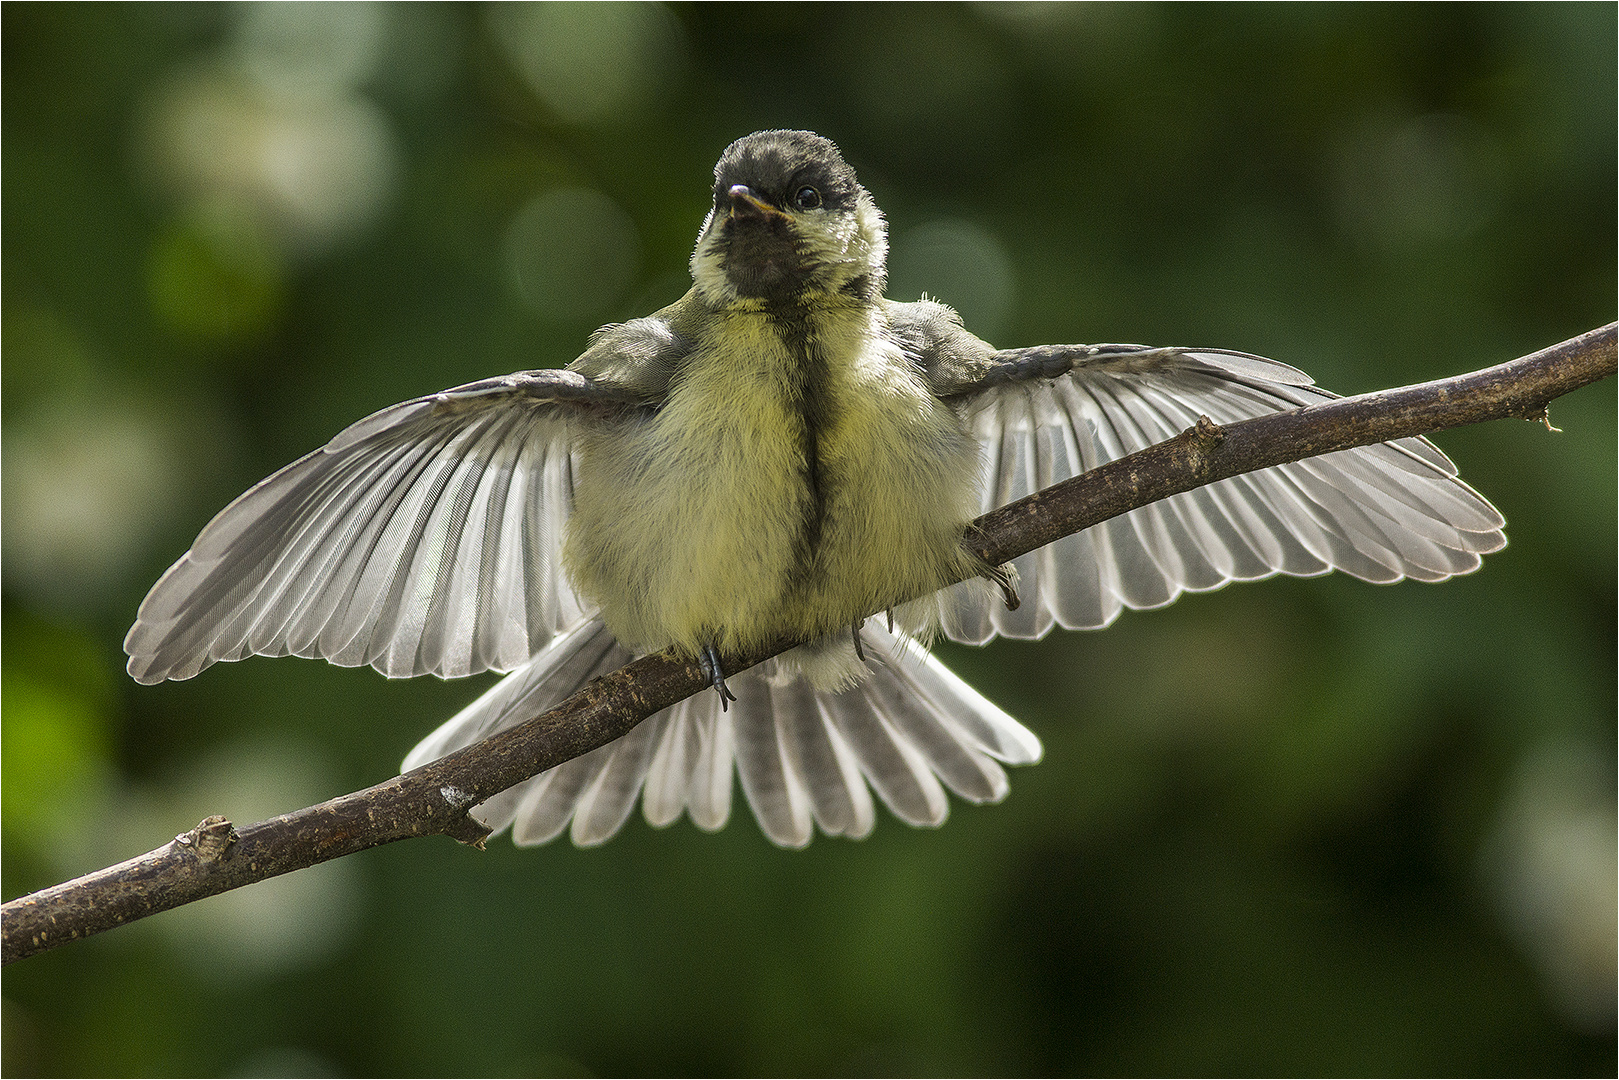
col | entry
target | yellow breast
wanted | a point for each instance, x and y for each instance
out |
(723, 519)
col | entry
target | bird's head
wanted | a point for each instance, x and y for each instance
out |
(789, 220)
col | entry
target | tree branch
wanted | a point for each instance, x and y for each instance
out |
(214, 857)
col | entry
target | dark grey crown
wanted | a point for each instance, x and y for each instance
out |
(776, 164)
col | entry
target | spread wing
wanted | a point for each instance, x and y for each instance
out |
(1042, 415)
(425, 538)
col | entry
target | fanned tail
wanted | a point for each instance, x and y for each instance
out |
(805, 756)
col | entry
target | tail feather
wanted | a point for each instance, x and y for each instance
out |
(709, 797)
(606, 802)
(893, 765)
(819, 753)
(965, 770)
(552, 797)
(566, 663)
(805, 757)
(673, 761)
(773, 788)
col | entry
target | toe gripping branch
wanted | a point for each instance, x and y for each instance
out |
(710, 660)
(1005, 577)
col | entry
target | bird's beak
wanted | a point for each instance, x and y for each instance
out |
(746, 205)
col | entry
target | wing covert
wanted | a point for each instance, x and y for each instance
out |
(425, 538)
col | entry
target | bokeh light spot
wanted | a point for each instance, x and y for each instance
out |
(87, 484)
(1553, 861)
(960, 263)
(274, 926)
(592, 63)
(571, 253)
(317, 168)
(315, 48)
(1417, 182)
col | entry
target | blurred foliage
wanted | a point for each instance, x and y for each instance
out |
(1294, 827)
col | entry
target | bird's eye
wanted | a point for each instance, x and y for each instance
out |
(807, 198)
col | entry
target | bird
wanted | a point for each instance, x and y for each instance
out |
(784, 451)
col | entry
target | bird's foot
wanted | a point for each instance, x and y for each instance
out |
(710, 661)
(1005, 577)
(858, 650)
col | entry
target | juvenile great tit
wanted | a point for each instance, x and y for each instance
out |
(783, 451)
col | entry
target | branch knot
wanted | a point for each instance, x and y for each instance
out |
(211, 839)
(1202, 440)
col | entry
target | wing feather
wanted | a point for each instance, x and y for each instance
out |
(426, 538)
(1380, 513)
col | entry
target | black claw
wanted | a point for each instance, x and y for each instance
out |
(710, 660)
(858, 651)
(890, 620)
(1002, 577)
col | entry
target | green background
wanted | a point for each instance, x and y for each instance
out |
(1291, 827)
